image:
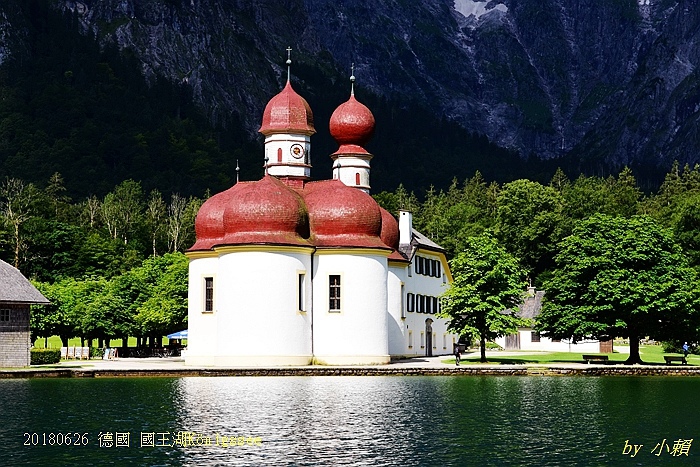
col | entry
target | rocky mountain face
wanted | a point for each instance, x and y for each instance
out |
(600, 83)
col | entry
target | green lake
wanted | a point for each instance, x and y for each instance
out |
(385, 421)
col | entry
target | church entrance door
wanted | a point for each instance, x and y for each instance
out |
(428, 337)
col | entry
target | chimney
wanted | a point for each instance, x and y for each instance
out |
(405, 227)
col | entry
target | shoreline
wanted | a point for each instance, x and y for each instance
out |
(421, 366)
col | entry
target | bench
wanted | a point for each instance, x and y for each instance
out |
(675, 358)
(599, 358)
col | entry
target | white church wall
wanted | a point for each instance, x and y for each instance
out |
(396, 315)
(357, 332)
(288, 155)
(258, 320)
(201, 324)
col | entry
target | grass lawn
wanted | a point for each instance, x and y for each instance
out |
(649, 354)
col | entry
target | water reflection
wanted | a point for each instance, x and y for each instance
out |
(354, 420)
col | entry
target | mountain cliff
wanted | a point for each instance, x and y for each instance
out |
(591, 84)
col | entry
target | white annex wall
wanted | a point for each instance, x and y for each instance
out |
(415, 322)
(358, 333)
(546, 344)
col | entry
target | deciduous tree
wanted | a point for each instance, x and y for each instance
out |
(620, 277)
(487, 282)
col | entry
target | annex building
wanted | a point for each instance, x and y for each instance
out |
(290, 271)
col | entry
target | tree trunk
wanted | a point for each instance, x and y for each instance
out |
(64, 341)
(17, 245)
(634, 357)
(482, 344)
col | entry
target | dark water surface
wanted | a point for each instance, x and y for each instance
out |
(392, 421)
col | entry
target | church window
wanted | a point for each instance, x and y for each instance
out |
(208, 294)
(436, 305)
(302, 290)
(4, 315)
(428, 305)
(438, 269)
(410, 339)
(410, 302)
(419, 307)
(357, 178)
(535, 337)
(403, 308)
(334, 292)
(279, 154)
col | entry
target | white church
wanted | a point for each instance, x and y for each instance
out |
(290, 271)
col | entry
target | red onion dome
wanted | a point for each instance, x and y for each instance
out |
(390, 229)
(209, 223)
(352, 125)
(266, 211)
(287, 112)
(342, 216)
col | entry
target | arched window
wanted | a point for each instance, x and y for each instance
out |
(357, 178)
(279, 154)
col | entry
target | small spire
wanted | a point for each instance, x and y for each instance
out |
(352, 80)
(238, 171)
(266, 160)
(289, 63)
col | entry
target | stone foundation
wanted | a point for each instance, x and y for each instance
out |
(509, 370)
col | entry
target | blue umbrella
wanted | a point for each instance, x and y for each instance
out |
(178, 335)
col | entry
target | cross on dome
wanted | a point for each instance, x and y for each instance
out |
(352, 79)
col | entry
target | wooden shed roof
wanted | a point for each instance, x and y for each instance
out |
(15, 288)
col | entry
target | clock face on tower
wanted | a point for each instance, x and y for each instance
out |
(297, 151)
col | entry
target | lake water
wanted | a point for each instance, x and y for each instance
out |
(392, 421)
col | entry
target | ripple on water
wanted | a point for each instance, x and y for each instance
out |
(354, 420)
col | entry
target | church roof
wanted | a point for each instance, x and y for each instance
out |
(351, 125)
(325, 213)
(15, 288)
(287, 112)
(532, 306)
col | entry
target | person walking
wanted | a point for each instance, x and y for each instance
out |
(685, 350)
(457, 354)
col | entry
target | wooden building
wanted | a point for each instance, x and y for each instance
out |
(16, 296)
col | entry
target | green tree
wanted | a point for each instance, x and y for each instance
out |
(155, 213)
(620, 277)
(487, 282)
(530, 222)
(15, 209)
(61, 317)
(163, 309)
